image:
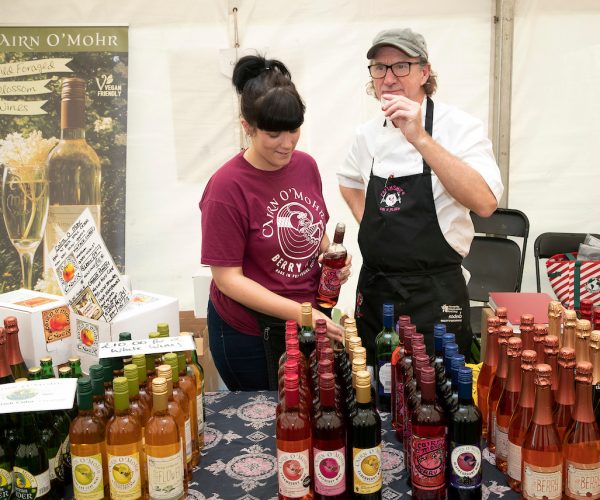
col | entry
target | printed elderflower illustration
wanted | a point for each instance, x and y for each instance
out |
(21, 152)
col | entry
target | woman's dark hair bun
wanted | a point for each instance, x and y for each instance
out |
(249, 67)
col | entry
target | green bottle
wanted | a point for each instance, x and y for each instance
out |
(34, 373)
(51, 439)
(47, 368)
(31, 470)
(385, 343)
(123, 336)
(163, 329)
(75, 364)
(5, 472)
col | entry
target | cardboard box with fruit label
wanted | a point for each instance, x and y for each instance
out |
(45, 325)
(140, 317)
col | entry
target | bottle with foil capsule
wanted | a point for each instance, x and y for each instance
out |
(464, 438)
(334, 259)
(306, 336)
(385, 342)
(293, 434)
(526, 327)
(502, 314)
(437, 359)
(508, 402)
(136, 406)
(428, 443)
(583, 331)
(366, 443)
(6, 376)
(194, 368)
(139, 360)
(569, 325)
(107, 372)
(596, 319)
(542, 450)
(585, 309)
(565, 397)
(555, 310)
(581, 446)
(551, 358)
(497, 386)
(15, 358)
(540, 332)
(521, 418)
(595, 356)
(488, 370)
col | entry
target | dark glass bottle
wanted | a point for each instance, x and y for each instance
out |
(75, 364)
(444, 391)
(15, 358)
(124, 336)
(31, 470)
(6, 482)
(47, 367)
(451, 404)
(334, 259)
(464, 436)
(385, 343)
(6, 376)
(428, 443)
(403, 371)
(366, 443)
(52, 441)
(99, 407)
(306, 336)
(108, 372)
(437, 360)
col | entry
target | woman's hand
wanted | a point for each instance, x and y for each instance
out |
(344, 272)
(334, 332)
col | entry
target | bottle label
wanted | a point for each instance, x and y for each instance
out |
(165, 476)
(428, 461)
(188, 440)
(330, 471)
(293, 473)
(501, 436)
(514, 461)
(542, 482)
(88, 482)
(28, 486)
(124, 476)
(366, 464)
(200, 414)
(583, 480)
(5, 484)
(385, 377)
(329, 286)
(466, 466)
(399, 404)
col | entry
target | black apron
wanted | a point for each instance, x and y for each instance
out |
(407, 261)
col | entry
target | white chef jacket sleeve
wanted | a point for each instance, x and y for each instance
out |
(351, 172)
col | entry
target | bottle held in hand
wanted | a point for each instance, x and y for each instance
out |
(334, 259)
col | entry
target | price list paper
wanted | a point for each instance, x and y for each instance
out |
(145, 346)
(37, 395)
(86, 272)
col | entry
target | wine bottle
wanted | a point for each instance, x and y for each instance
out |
(551, 358)
(6, 481)
(581, 448)
(31, 469)
(293, 435)
(52, 442)
(428, 443)
(595, 357)
(139, 360)
(366, 443)
(88, 448)
(437, 360)
(569, 325)
(508, 402)
(15, 358)
(519, 422)
(125, 336)
(583, 331)
(136, 406)
(195, 368)
(107, 371)
(403, 372)
(464, 436)
(75, 365)
(6, 376)
(444, 391)
(306, 337)
(334, 259)
(124, 451)
(542, 450)
(47, 368)
(451, 404)
(527, 322)
(188, 385)
(585, 309)
(99, 407)
(164, 450)
(397, 356)
(329, 444)
(73, 168)
(596, 319)
(385, 342)
(565, 399)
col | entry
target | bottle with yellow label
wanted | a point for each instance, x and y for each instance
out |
(164, 451)
(124, 452)
(88, 448)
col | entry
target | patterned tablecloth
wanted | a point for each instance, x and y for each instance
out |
(238, 461)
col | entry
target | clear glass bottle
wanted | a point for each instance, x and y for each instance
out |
(306, 336)
(488, 370)
(565, 398)
(99, 406)
(334, 259)
(187, 383)
(139, 360)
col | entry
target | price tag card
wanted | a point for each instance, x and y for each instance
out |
(145, 346)
(86, 272)
(38, 395)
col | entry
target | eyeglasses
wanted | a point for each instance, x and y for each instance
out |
(398, 69)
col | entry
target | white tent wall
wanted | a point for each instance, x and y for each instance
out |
(183, 110)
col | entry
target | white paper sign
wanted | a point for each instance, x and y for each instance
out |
(146, 346)
(86, 272)
(38, 395)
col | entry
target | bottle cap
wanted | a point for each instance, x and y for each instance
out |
(65, 372)
(45, 360)
(11, 325)
(595, 338)
(448, 338)
(409, 330)
(359, 352)
(501, 312)
(153, 335)
(528, 359)
(586, 305)
(327, 353)
(34, 370)
(120, 385)
(439, 329)
(583, 328)
(458, 360)
(420, 360)
(363, 379)
(325, 366)
(543, 374)
(349, 322)
(515, 346)
(403, 320)
(181, 361)
(291, 324)
(326, 381)
(294, 355)
(322, 342)
(290, 381)
(504, 333)
(84, 384)
(74, 359)
(354, 341)
(570, 318)
(359, 364)
(306, 308)
(292, 343)
(566, 357)
(427, 375)
(418, 349)
(139, 360)
(159, 386)
(417, 338)
(551, 345)
(163, 329)
(555, 309)
(131, 372)
(527, 319)
(320, 323)
(583, 372)
(124, 336)
(388, 309)
(96, 373)
(165, 371)
(465, 375)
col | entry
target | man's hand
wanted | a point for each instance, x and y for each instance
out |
(405, 114)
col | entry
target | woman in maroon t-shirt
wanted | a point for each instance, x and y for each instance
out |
(263, 227)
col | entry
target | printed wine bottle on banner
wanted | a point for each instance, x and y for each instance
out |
(385, 343)
(73, 168)
(334, 259)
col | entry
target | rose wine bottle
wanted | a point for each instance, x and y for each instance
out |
(88, 446)
(73, 168)
(527, 322)
(164, 450)
(583, 331)
(329, 445)
(596, 319)
(15, 358)
(508, 402)
(551, 358)
(293, 434)
(502, 314)
(334, 259)
(366, 443)
(569, 325)
(565, 398)
(306, 337)
(385, 342)
(6, 376)
(464, 436)
(542, 450)
(428, 443)
(581, 448)
(403, 372)
(497, 385)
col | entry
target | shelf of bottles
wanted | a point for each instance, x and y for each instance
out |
(136, 428)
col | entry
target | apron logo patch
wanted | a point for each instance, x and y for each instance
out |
(451, 313)
(359, 300)
(390, 198)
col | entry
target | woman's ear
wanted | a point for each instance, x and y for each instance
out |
(248, 129)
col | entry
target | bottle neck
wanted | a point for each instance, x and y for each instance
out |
(388, 322)
(566, 387)
(327, 397)
(502, 371)
(14, 350)
(427, 391)
(491, 354)
(583, 403)
(582, 349)
(121, 402)
(513, 382)
(527, 397)
(465, 393)
(159, 402)
(4, 366)
(542, 411)
(595, 358)
(363, 395)
(292, 398)
(72, 134)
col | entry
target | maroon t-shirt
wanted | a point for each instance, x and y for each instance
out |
(269, 223)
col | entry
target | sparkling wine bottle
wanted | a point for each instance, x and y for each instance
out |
(569, 325)
(555, 310)
(385, 342)
(565, 398)
(504, 333)
(540, 332)
(527, 322)
(542, 450)
(581, 448)
(6, 376)
(585, 309)
(15, 358)
(73, 168)
(595, 357)
(551, 358)
(583, 331)
(488, 370)
(334, 259)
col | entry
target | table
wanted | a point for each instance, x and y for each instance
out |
(239, 456)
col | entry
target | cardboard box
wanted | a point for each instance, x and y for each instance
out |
(140, 317)
(45, 325)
